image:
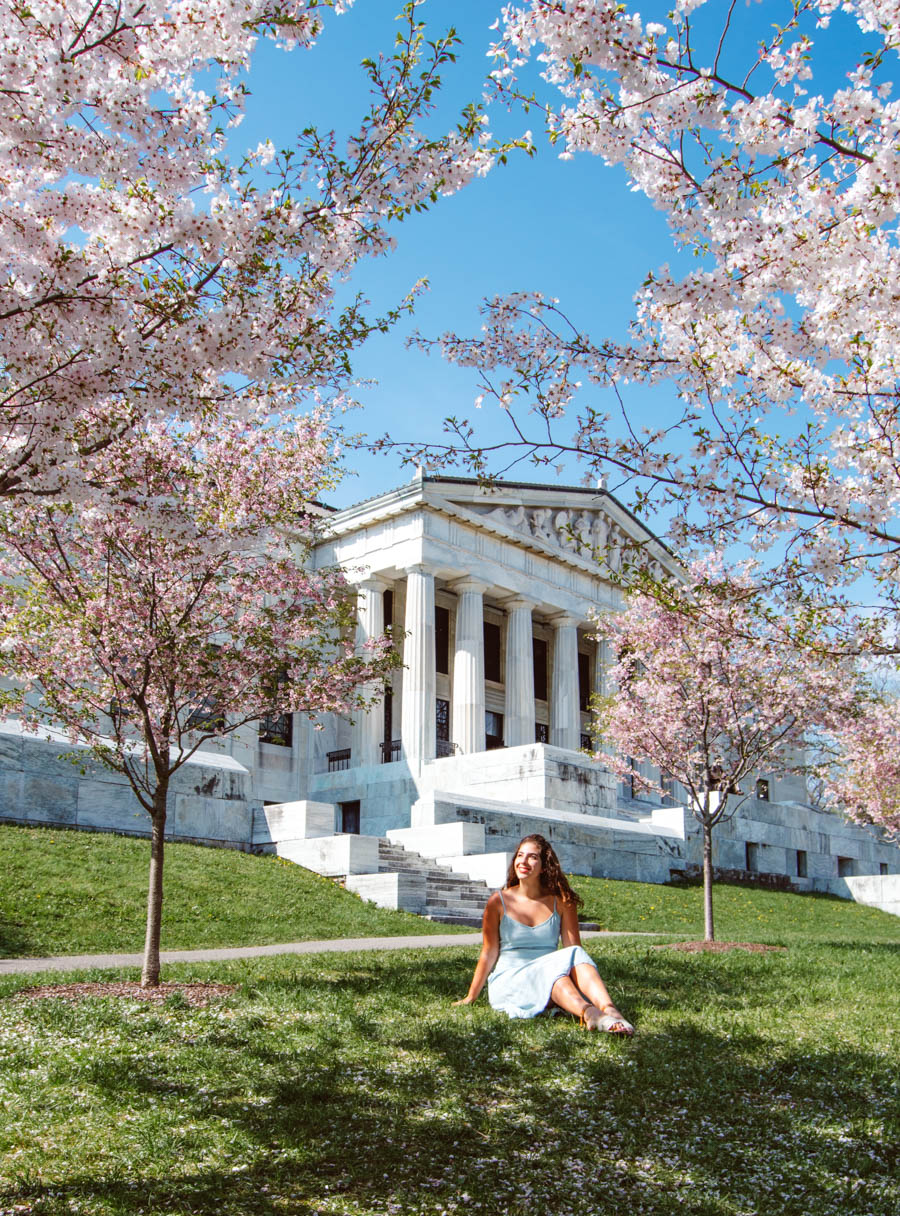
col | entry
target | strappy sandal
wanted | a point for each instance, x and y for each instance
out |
(615, 1023)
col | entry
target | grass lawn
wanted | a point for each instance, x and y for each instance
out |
(348, 1085)
(742, 914)
(86, 892)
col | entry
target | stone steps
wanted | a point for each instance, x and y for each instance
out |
(449, 898)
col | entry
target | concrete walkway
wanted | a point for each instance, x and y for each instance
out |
(90, 962)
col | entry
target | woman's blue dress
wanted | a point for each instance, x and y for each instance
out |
(530, 964)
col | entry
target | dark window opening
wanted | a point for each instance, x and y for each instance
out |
(388, 714)
(846, 867)
(541, 732)
(277, 729)
(539, 651)
(751, 856)
(492, 652)
(442, 719)
(762, 790)
(338, 760)
(801, 863)
(390, 751)
(442, 640)
(388, 612)
(584, 682)
(882, 867)
(206, 716)
(587, 743)
(493, 730)
(350, 816)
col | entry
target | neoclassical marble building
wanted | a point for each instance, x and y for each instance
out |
(493, 596)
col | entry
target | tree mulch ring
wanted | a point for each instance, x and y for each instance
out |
(197, 994)
(719, 947)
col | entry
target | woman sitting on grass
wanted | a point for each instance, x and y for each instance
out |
(522, 926)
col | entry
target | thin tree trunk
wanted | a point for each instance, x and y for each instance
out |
(150, 972)
(708, 929)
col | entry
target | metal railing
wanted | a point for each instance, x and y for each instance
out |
(446, 747)
(339, 760)
(390, 751)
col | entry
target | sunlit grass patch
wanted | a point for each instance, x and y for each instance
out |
(348, 1085)
(66, 892)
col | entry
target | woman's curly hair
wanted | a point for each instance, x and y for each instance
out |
(553, 880)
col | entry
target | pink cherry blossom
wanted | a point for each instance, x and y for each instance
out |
(709, 689)
(148, 624)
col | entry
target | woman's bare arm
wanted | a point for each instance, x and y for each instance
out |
(570, 934)
(490, 950)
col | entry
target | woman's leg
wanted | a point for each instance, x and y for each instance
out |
(587, 979)
(566, 995)
(589, 986)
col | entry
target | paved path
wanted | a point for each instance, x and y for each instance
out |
(88, 962)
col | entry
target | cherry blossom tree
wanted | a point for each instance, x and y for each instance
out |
(779, 337)
(145, 270)
(708, 692)
(862, 779)
(148, 625)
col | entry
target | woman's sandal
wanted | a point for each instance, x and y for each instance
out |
(611, 1023)
(615, 1023)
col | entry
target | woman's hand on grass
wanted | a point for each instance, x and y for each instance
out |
(466, 1000)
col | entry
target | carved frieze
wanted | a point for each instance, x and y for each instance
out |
(588, 533)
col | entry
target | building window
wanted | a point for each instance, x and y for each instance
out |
(492, 652)
(338, 761)
(882, 867)
(587, 743)
(388, 612)
(751, 856)
(493, 730)
(206, 717)
(539, 650)
(349, 812)
(541, 732)
(388, 714)
(801, 863)
(442, 640)
(846, 867)
(762, 790)
(667, 784)
(277, 729)
(442, 719)
(584, 682)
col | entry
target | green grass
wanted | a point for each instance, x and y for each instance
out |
(348, 1085)
(84, 892)
(741, 913)
(64, 892)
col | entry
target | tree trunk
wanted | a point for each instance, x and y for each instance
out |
(150, 972)
(708, 930)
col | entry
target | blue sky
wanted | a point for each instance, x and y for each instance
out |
(571, 229)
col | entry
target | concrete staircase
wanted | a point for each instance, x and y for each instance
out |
(450, 898)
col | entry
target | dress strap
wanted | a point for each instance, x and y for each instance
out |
(502, 900)
(554, 905)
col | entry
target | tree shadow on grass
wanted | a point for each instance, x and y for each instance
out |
(418, 1107)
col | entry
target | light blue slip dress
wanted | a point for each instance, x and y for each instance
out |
(530, 964)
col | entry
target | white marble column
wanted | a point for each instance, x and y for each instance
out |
(368, 726)
(565, 716)
(417, 733)
(467, 730)
(603, 664)
(519, 724)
